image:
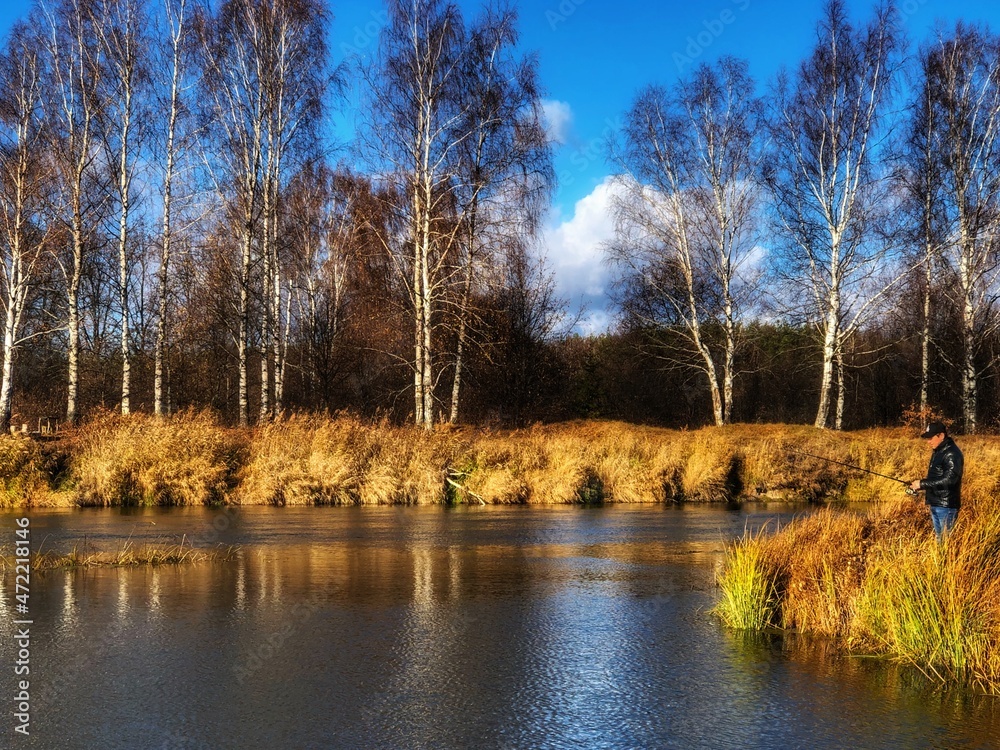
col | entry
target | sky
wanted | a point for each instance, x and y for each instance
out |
(594, 57)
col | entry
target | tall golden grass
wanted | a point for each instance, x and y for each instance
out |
(142, 460)
(192, 458)
(881, 583)
(24, 476)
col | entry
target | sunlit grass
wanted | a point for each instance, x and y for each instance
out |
(192, 459)
(881, 583)
(186, 459)
(749, 588)
(128, 554)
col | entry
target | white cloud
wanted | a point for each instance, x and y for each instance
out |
(575, 253)
(558, 120)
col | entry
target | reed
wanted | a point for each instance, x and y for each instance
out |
(308, 459)
(880, 583)
(187, 459)
(749, 587)
(129, 554)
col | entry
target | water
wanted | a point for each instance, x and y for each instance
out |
(437, 628)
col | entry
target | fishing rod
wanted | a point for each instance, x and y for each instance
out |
(909, 490)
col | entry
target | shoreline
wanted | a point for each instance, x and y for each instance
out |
(191, 459)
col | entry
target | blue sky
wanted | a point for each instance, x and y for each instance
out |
(595, 55)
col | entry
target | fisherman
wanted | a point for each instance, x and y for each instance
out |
(943, 483)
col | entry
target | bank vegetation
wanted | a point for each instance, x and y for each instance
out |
(879, 583)
(195, 459)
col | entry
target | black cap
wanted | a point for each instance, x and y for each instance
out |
(934, 428)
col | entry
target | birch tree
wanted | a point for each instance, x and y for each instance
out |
(414, 135)
(296, 82)
(824, 175)
(504, 169)
(686, 207)
(962, 71)
(175, 144)
(74, 66)
(921, 185)
(23, 184)
(233, 73)
(121, 30)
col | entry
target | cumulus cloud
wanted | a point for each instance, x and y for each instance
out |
(558, 120)
(576, 256)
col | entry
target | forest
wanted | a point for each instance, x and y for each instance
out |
(182, 227)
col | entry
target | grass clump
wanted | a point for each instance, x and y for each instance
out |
(23, 475)
(749, 588)
(880, 583)
(138, 459)
(129, 554)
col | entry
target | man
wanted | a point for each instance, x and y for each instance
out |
(943, 483)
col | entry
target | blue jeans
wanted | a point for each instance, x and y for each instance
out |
(943, 519)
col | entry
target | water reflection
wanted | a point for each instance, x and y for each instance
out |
(425, 628)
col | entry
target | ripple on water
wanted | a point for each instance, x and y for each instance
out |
(426, 628)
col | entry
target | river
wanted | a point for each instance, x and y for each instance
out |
(493, 627)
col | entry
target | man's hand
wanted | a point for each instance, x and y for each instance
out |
(915, 485)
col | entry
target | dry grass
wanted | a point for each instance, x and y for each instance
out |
(129, 554)
(23, 472)
(191, 459)
(187, 459)
(881, 583)
(312, 460)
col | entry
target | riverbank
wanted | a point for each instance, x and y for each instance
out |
(193, 459)
(879, 583)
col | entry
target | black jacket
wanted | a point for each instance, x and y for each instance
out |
(944, 476)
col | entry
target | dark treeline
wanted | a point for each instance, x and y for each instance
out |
(180, 227)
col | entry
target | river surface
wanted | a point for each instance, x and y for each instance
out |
(438, 628)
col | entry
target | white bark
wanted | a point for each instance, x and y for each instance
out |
(74, 66)
(178, 30)
(22, 256)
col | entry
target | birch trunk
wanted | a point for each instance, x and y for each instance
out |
(418, 321)
(841, 392)
(177, 32)
(73, 325)
(463, 312)
(244, 321)
(266, 316)
(18, 275)
(160, 407)
(6, 389)
(829, 351)
(428, 372)
(460, 346)
(925, 336)
(969, 385)
(729, 368)
(124, 185)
